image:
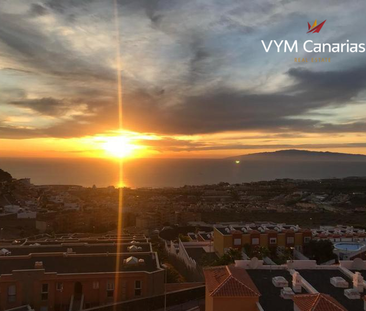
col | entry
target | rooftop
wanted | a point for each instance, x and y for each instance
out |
(74, 238)
(270, 295)
(322, 287)
(320, 280)
(259, 228)
(76, 263)
(76, 248)
(317, 302)
(229, 281)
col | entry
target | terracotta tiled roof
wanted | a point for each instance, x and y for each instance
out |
(229, 281)
(317, 302)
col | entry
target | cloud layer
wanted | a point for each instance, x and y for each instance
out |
(189, 68)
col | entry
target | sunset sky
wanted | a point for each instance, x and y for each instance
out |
(196, 81)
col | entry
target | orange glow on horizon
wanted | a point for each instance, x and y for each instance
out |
(129, 145)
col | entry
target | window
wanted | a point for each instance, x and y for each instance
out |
(273, 241)
(237, 242)
(44, 292)
(290, 240)
(95, 285)
(137, 288)
(110, 289)
(255, 241)
(307, 239)
(12, 293)
(59, 287)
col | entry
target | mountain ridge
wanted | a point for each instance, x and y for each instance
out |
(300, 155)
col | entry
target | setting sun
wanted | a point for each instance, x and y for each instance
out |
(120, 147)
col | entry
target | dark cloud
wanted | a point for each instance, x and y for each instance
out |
(45, 106)
(222, 110)
(337, 86)
(16, 70)
(230, 24)
(38, 10)
(151, 9)
(200, 63)
(67, 6)
(216, 110)
(351, 127)
(228, 110)
(12, 132)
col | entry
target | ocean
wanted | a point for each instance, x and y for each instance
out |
(171, 172)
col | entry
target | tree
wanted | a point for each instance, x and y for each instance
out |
(256, 251)
(173, 276)
(207, 260)
(321, 251)
(229, 257)
(248, 249)
(261, 252)
(183, 238)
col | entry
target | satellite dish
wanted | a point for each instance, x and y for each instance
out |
(254, 262)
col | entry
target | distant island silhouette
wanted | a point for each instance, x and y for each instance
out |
(300, 155)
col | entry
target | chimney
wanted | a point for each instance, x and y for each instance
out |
(38, 265)
(358, 282)
(296, 282)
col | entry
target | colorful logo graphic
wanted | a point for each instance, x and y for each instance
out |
(315, 28)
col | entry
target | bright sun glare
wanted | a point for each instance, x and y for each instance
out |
(120, 147)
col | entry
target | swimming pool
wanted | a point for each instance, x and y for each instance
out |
(350, 247)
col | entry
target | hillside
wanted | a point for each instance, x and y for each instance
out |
(4, 176)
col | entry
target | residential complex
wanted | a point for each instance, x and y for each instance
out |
(280, 236)
(265, 235)
(60, 275)
(249, 285)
